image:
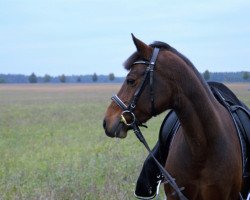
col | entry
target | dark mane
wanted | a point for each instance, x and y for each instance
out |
(135, 56)
(164, 46)
(128, 63)
(167, 47)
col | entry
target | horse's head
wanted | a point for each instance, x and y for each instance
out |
(141, 92)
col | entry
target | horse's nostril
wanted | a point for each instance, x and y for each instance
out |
(104, 124)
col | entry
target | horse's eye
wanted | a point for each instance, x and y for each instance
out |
(130, 82)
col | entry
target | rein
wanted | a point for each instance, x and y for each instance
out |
(134, 123)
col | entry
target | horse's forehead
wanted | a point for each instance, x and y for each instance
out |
(137, 69)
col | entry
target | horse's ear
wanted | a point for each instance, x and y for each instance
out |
(143, 49)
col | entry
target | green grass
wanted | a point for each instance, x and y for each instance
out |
(53, 146)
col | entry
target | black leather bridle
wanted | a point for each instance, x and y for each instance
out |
(148, 73)
(134, 123)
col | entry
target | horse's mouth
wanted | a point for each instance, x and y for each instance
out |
(119, 130)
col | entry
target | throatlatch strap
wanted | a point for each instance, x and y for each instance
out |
(151, 79)
(150, 72)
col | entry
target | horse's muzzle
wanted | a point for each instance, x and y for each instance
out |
(105, 129)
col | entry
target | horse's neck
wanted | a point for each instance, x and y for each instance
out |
(198, 112)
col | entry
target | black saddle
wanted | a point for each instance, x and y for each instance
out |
(150, 174)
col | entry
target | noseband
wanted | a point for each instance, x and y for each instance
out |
(134, 123)
(148, 73)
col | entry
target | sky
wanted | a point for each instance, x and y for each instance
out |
(78, 37)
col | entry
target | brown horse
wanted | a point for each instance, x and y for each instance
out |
(205, 154)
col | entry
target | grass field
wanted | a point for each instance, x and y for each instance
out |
(53, 146)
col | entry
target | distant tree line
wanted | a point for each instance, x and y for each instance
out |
(110, 78)
(243, 76)
(33, 78)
